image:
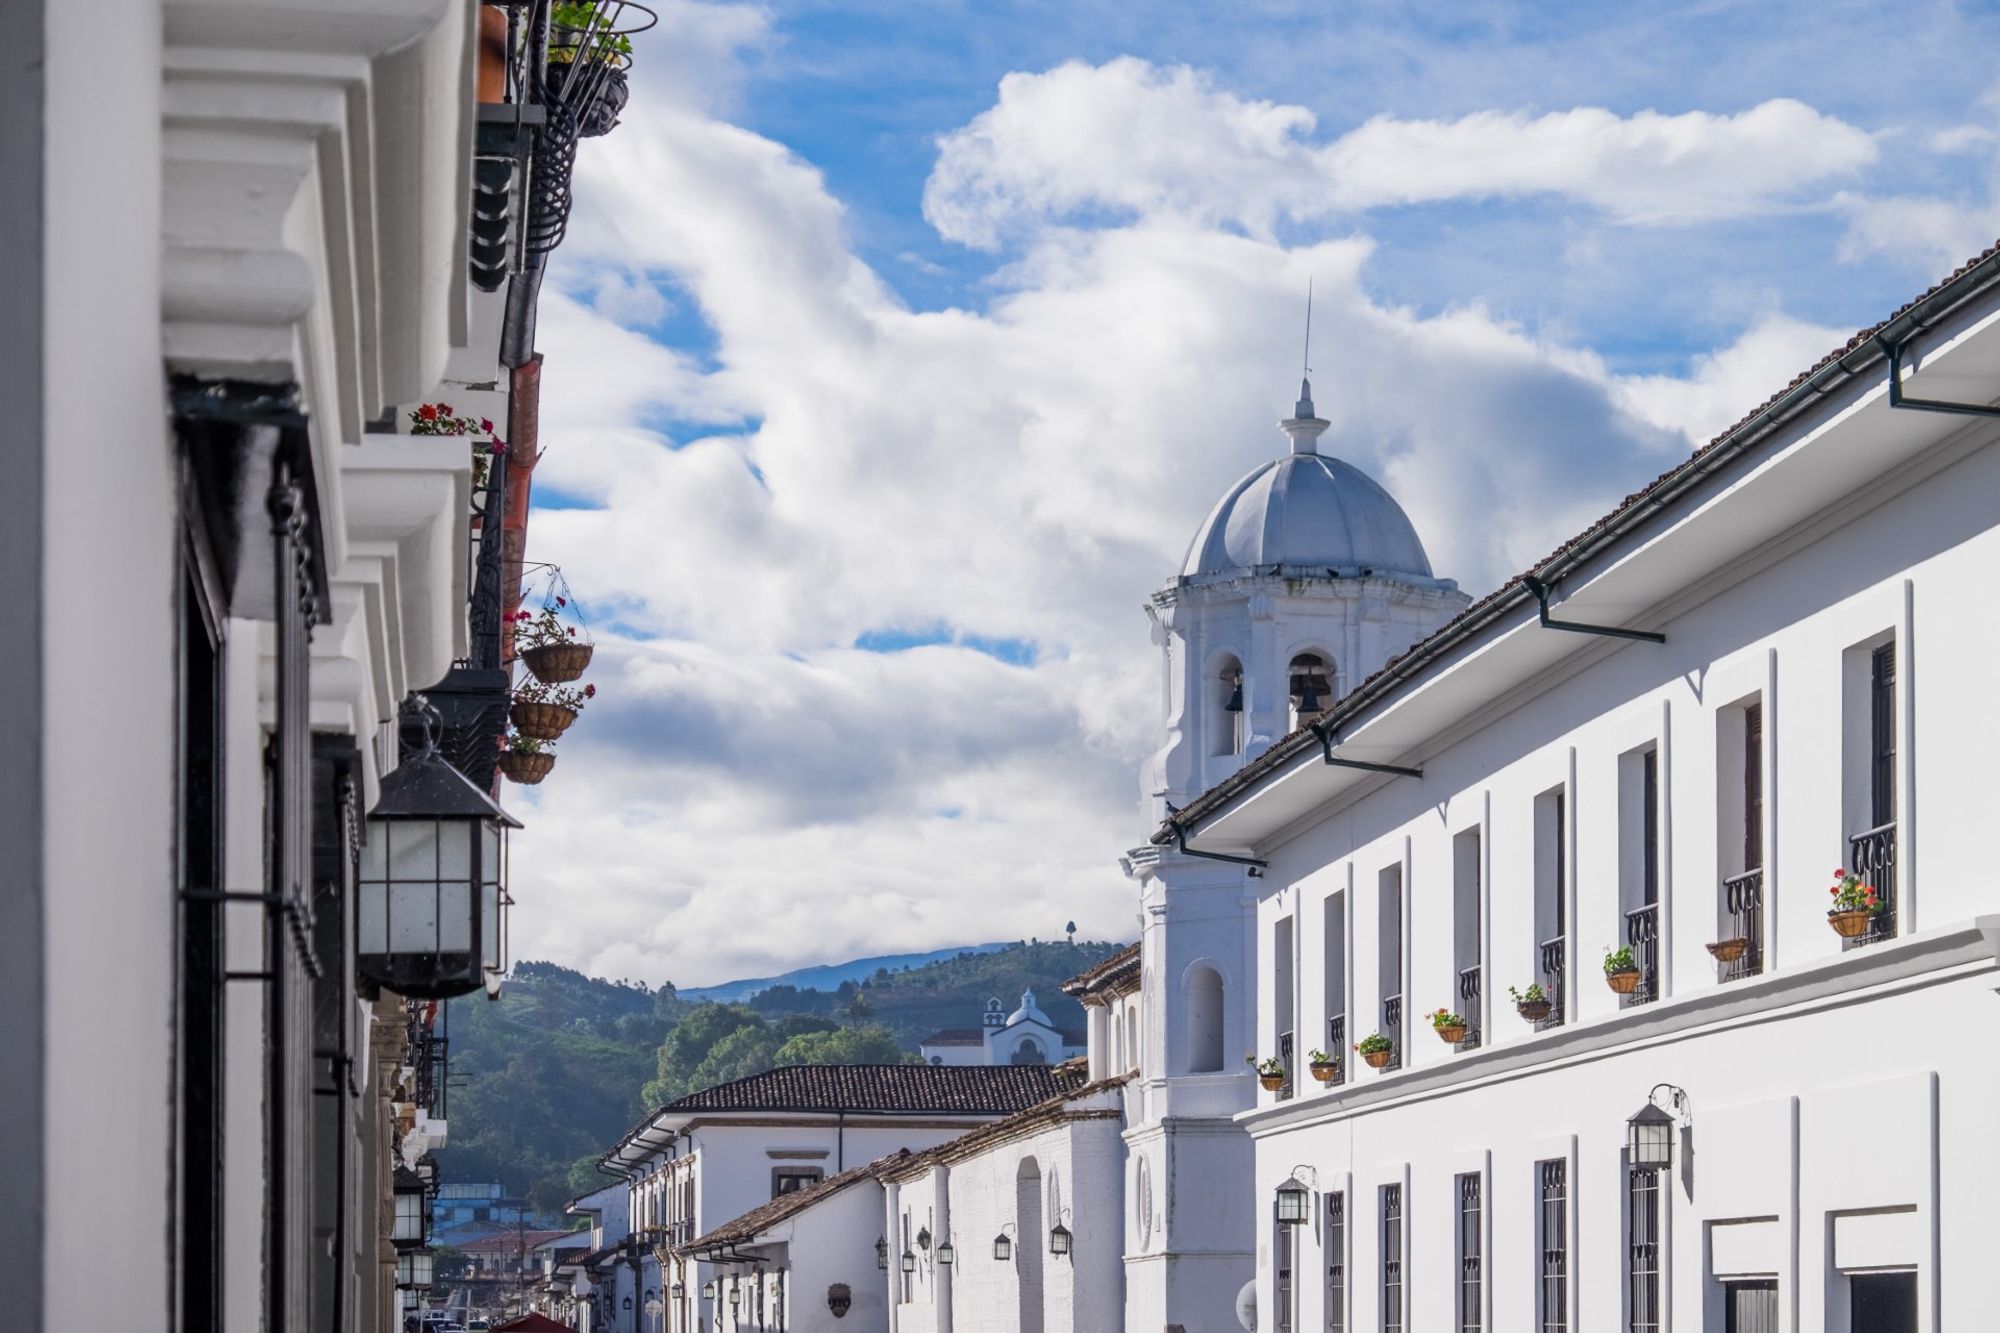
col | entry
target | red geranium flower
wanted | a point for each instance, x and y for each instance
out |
(590, 691)
(486, 426)
(427, 412)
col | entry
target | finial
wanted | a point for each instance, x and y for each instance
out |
(1305, 425)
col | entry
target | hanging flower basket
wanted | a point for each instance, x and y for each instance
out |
(1376, 1050)
(527, 769)
(1851, 923)
(1855, 906)
(1324, 1071)
(557, 663)
(604, 94)
(1624, 980)
(540, 721)
(1270, 1072)
(1448, 1026)
(1729, 951)
(1533, 1003)
(1271, 1082)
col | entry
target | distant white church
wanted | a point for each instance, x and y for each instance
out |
(1025, 1037)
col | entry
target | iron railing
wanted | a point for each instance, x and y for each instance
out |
(1468, 1005)
(1743, 901)
(1286, 1046)
(1642, 936)
(1553, 970)
(1392, 1028)
(1336, 1045)
(1872, 855)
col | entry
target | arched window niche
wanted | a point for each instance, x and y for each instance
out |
(1225, 706)
(1311, 686)
(1203, 994)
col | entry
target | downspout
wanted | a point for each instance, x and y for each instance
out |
(840, 1142)
(524, 430)
(1326, 744)
(1180, 838)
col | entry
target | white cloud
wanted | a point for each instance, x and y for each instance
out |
(1133, 139)
(1723, 386)
(750, 791)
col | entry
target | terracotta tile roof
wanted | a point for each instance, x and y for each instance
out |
(1109, 969)
(508, 1242)
(1056, 1110)
(955, 1037)
(745, 1229)
(964, 1089)
(1859, 353)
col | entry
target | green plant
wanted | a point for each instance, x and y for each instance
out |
(1445, 1018)
(1620, 960)
(1320, 1058)
(544, 629)
(562, 696)
(577, 27)
(516, 743)
(1533, 995)
(1373, 1044)
(1271, 1068)
(1851, 895)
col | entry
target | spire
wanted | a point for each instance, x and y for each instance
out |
(1304, 425)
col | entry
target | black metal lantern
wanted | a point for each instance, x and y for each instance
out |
(882, 1253)
(1650, 1138)
(1003, 1247)
(677, 1291)
(1294, 1204)
(909, 1261)
(839, 1299)
(1059, 1240)
(708, 1290)
(414, 1270)
(735, 1295)
(626, 1303)
(924, 1239)
(945, 1252)
(433, 887)
(412, 1210)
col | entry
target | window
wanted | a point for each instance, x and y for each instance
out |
(1552, 897)
(1882, 1302)
(1286, 1256)
(1389, 958)
(1282, 994)
(1029, 1052)
(1869, 762)
(1392, 1259)
(1751, 1307)
(1225, 712)
(1471, 1257)
(1311, 679)
(1467, 909)
(1639, 865)
(1334, 982)
(791, 1179)
(1739, 789)
(1204, 1001)
(1336, 1262)
(1642, 1261)
(1553, 1232)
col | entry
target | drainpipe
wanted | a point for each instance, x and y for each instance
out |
(941, 1197)
(524, 433)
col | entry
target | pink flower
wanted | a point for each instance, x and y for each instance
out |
(562, 601)
(486, 426)
(572, 631)
(1840, 874)
(590, 691)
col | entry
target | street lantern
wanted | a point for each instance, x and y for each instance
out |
(909, 1260)
(677, 1290)
(945, 1252)
(433, 877)
(1003, 1246)
(414, 1270)
(1059, 1240)
(708, 1290)
(1650, 1138)
(735, 1296)
(412, 1209)
(1294, 1202)
(882, 1253)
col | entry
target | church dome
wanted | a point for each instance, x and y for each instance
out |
(1308, 511)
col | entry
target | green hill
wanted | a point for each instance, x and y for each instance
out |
(549, 1076)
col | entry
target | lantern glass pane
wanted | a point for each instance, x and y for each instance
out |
(455, 919)
(413, 918)
(372, 924)
(375, 850)
(490, 862)
(1003, 1248)
(409, 1215)
(455, 842)
(413, 849)
(423, 1267)
(490, 925)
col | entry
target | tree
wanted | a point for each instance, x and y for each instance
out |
(748, 1050)
(845, 1046)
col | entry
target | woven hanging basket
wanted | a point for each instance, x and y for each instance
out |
(540, 721)
(1453, 1033)
(1324, 1070)
(1534, 1010)
(1623, 982)
(527, 769)
(557, 663)
(1377, 1059)
(1271, 1082)
(1850, 923)
(1728, 951)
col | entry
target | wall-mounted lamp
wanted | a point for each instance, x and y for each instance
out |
(1003, 1244)
(1649, 1134)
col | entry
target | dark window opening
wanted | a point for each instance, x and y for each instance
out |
(1471, 1257)
(1554, 1228)
(1642, 1264)
(1336, 1263)
(1392, 1259)
(1882, 1302)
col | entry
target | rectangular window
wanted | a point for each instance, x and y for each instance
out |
(1553, 1232)
(1753, 786)
(1642, 1263)
(1869, 762)
(1389, 958)
(791, 1179)
(1467, 927)
(1392, 1259)
(1882, 1302)
(1286, 1256)
(1739, 822)
(1552, 899)
(1751, 1307)
(1336, 1262)
(1335, 974)
(1471, 1257)
(1639, 868)
(1283, 992)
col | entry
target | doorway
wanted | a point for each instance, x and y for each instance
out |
(1882, 1303)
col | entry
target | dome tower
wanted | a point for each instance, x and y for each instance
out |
(1305, 579)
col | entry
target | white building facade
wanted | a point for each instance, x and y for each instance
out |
(1027, 1036)
(1627, 780)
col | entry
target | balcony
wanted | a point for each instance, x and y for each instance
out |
(1743, 905)
(1468, 1006)
(1642, 936)
(1392, 1028)
(1336, 1045)
(1872, 855)
(1553, 968)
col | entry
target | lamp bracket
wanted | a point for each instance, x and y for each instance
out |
(1676, 1104)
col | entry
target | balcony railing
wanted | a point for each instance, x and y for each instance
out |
(1392, 1028)
(1553, 969)
(1872, 855)
(1336, 1045)
(1743, 902)
(1287, 1047)
(1468, 1006)
(1642, 936)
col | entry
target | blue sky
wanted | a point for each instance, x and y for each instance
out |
(898, 349)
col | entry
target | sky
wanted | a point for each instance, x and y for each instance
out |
(897, 350)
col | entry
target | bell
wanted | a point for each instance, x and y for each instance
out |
(1235, 704)
(1309, 696)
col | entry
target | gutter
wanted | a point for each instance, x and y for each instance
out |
(1865, 352)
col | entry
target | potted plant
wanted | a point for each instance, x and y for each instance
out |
(586, 49)
(1855, 905)
(1375, 1049)
(1448, 1026)
(1729, 950)
(439, 419)
(1533, 1003)
(1270, 1073)
(526, 760)
(1323, 1066)
(1621, 970)
(543, 712)
(549, 648)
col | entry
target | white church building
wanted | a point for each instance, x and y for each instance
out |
(1027, 1036)
(1652, 890)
